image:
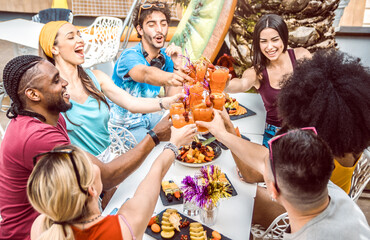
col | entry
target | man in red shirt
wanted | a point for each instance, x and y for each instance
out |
(38, 95)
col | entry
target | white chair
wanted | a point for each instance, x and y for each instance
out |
(361, 176)
(274, 231)
(102, 40)
(122, 139)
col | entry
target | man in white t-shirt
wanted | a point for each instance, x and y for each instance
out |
(297, 169)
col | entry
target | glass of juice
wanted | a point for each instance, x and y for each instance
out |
(202, 112)
(180, 120)
(196, 94)
(218, 100)
(201, 69)
(218, 79)
(177, 108)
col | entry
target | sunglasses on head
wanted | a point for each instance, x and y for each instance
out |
(274, 139)
(147, 6)
(70, 155)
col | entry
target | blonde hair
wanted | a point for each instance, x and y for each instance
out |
(53, 190)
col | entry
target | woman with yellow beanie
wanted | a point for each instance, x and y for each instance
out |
(87, 125)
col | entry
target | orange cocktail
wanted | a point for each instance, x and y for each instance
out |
(195, 94)
(218, 79)
(177, 108)
(202, 113)
(180, 120)
(201, 69)
(218, 100)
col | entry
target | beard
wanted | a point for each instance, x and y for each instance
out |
(151, 40)
(59, 106)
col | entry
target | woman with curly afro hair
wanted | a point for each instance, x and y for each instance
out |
(331, 93)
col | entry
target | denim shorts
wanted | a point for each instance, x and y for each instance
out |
(270, 131)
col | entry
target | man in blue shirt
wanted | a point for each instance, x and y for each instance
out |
(144, 68)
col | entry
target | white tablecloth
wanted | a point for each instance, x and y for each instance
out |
(235, 213)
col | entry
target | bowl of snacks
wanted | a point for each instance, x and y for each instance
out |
(197, 154)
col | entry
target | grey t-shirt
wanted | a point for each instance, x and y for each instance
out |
(341, 220)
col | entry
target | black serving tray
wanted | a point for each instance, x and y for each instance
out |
(247, 114)
(184, 231)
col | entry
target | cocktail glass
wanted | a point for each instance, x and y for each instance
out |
(195, 94)
(218, 79)
(180, 120)
(177, 108)
(202, 113)
(201, 69)
(218, 100)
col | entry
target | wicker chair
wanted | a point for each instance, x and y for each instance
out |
(122, 139)
(102, 40)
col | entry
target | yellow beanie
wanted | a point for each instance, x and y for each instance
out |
(48, 34)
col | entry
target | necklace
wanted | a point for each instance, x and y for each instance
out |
(89, 221)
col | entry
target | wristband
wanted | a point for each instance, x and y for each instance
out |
(160, 103)
(172, 147)
(154, 137)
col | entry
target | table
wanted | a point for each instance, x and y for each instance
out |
(235, 213)
(24, 34)
(21, 31)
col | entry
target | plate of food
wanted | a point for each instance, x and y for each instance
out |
(198, 155)
(236, 110)
(170, 193)
(170, 224)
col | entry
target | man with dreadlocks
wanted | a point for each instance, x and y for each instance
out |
(39, 96)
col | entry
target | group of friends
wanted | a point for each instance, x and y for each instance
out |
(55, 159)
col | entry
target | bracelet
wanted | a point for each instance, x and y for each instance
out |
(154, 137)
(172, 147)
(176, 69)
(161, 104)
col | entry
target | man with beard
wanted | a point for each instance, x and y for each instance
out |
(38, 95)
(144, 68)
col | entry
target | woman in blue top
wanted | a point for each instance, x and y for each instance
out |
(87, 124)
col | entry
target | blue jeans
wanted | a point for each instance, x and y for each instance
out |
(139, 130)
(270, 131)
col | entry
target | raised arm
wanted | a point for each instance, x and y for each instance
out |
(139, 209)
(129, 102)
(114, 172)
(248, 80)
(248, 153)
(157, 77)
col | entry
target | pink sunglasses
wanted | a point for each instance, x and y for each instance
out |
(278, 137)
